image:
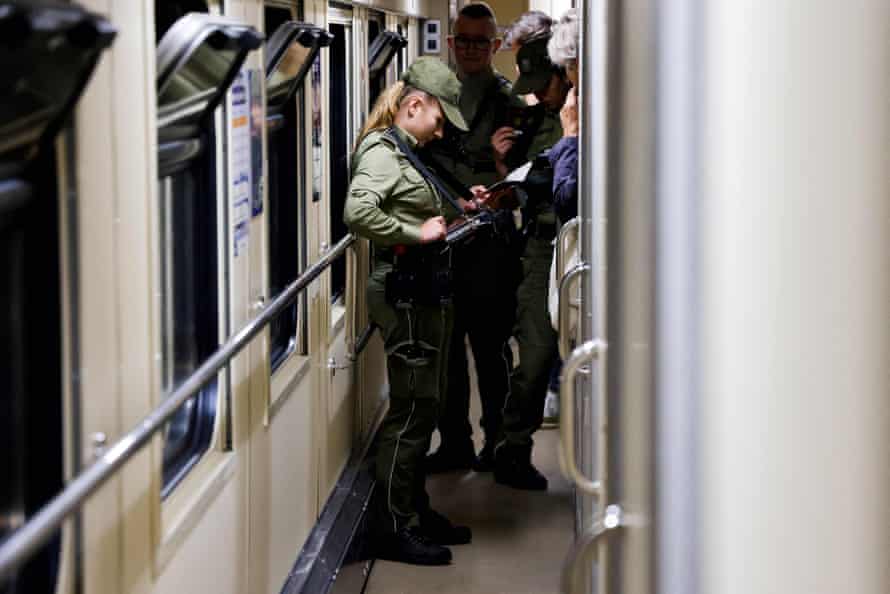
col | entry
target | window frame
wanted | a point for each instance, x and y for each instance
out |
(339, 16)
(189, 130)
(176, 48)
(315, 39)
(382, 50)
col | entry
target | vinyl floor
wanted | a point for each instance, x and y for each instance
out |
(520, 538)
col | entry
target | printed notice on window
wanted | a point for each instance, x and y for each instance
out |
(240, 163)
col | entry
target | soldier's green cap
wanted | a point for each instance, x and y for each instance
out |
(433, 76)
(535, 67)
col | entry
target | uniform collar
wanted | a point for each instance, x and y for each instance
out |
(408, 138)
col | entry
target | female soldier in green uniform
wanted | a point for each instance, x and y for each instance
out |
(391, 203)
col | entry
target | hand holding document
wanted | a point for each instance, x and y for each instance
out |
(500, 194)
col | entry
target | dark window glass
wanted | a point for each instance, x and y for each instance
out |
(31, 430)
(286, 208)
(168, 12)
(373, 29)
(285, 200)
(275, 16)
(377, 83)
(189, 306)
(340, 74)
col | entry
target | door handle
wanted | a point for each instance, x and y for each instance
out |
(334, 367)
(588, 351)
(562, 317)
(611, 520)
(571, 225)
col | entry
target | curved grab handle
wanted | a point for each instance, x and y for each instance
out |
(571, 225)
(611, 520)
(562, 323)
(586, 352)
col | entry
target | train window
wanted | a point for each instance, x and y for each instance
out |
(290, 53)
(402, 63)
(341, 135)
(197, 60)
(378, 83)
(384, 48)
(190, 275)
(317, 131)
(53, 51)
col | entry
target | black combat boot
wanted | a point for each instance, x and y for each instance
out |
(485, 459)
(513, 467)
(440, 530)
(410, 545)
(449, 458)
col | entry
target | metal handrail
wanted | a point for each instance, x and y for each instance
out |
(570, 225)
(562, 317)
(362, 341)
(25, 541)
(611, 520)
(588, 351)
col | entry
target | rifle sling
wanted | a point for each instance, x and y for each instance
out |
(423, 170)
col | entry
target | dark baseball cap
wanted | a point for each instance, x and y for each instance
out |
(535, 67)
(433, 76)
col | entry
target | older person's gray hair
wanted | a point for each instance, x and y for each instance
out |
(530, 25)
(563, 44)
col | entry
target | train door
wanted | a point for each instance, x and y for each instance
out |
(200, 284)
(591, 370)
(339, 410)
(283, 436)
(49, 55)
(383, 46)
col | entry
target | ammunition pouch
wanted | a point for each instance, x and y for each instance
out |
(421, 275)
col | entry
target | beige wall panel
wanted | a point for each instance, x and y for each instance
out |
(98, 318)
(134, 156)
(339, 418)
(436, 10)
(507, 11)
(207, 560)
(283, 488)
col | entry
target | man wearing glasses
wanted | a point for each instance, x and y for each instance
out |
(486, 269)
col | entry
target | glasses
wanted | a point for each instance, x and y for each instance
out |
(478, 43)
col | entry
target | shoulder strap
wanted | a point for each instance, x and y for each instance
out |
(442, 172)
(424, 172)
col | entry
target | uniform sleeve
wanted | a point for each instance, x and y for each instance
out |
(375, 177)
(564, 160)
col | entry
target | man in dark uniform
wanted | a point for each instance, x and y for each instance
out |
(486, 268)
(523, 411)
